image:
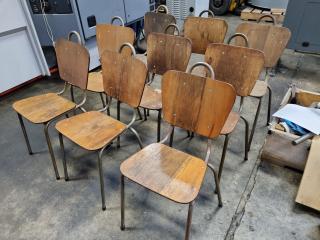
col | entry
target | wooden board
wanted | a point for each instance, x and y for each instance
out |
(254, 14)
(279, 150)
(309, 190)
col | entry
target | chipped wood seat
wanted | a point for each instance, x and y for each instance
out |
(43, 108)
(260, 89)
(91, 130)
(151, 98)
(171, 173)
(95, 82)
(231, 123)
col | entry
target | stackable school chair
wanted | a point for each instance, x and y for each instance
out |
(109, 37)
(73, 63)
(239, 66)
(196, 104)
(272, 40)
(156, 22)
(164, 52)
(203, 31)
(123, 79)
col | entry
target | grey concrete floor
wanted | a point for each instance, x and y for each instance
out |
(258, 197)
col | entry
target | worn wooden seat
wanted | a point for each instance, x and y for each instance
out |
(239, 66)
(171, 173)
(123, 80)
(95, 82)
(73, 64)
(203, 31)
(271, 40)
(151, 98)
(91, 130)
(196, 104)
(43, 108)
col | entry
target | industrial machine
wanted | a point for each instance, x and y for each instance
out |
(54, 19)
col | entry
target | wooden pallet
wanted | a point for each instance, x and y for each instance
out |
(254, 14)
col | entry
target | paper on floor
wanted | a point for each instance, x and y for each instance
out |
(308, 118)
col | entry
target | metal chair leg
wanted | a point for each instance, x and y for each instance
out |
(139, 113)
(145, 114)
(137, 135)
(217, 184)
(103, 198)
(246, 138)
(225, 147)
(148, 112)
(269, 105)
(118, 118)
(107, 102)
(122, 227)
(72, 98)
(188, 227)
(102, 100)
(25, 134)
(159, 126)
(255, 123)
(66, 176)
(46, 132)
(171, 137)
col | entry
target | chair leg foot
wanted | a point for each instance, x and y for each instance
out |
(122, 227)
(189, 220)
(254, 124)
(46, 132)
(269, 105)
(66, 176)
(25, 134)
(225, 147)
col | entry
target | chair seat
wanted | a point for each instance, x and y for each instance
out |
(171, 173)
(259, 89)
(43, 108)
(95, 82)
(231, 123)
(91, 130)
(151, 98)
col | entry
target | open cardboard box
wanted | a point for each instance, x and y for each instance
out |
(278, 148)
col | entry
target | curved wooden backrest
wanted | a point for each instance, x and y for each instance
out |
(198, 104)
(73, 62)
(123, 77)
(157, 22)
(270, 39)
(236, 65)
(203, 31)
(167, 52)
(111, 37)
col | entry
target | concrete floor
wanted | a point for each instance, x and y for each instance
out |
(258, 197)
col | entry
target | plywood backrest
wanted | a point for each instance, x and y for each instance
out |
(167, 52)
(123, 77)
(270, 39)
(111, 37)
(157, 22)
(203, 31)
(73, 62)
(197, 104)
(236, 65)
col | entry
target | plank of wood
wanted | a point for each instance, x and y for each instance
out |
(309, 190)
(279, 150)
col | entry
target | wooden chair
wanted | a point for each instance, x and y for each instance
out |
(109, 37)
(240, 67)
(73, 63)
(156, 22)
(203, 31)
(123, 79)
(271, 40)
(164, 52)
(196, 104)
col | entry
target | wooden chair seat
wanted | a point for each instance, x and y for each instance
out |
(259, 89)
(91, 130)
(151, 98)
(95, 82)
(43, 108)
(231, 123)
(171, 173)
